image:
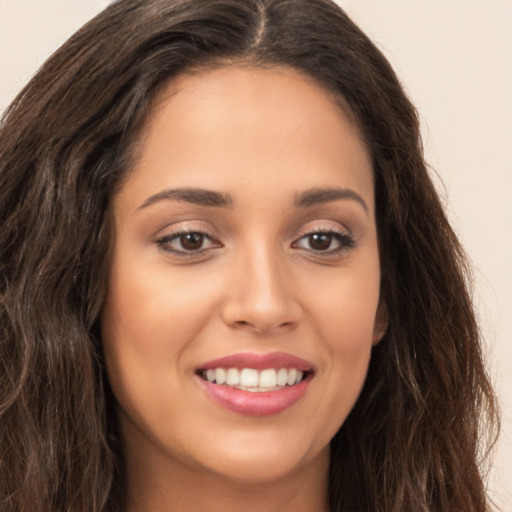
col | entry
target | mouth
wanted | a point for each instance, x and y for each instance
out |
(253, 380)
(256, 384)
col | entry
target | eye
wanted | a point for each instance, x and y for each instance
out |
(329, 242)
(187, 242)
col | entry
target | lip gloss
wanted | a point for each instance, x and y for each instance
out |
(259, 361)
(262, 403)
(257, 403)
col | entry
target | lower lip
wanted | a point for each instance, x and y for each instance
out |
(265, 403)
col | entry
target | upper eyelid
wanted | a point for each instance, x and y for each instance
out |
(324, 227)
(331, 231)
(187, 226)
(214, 234)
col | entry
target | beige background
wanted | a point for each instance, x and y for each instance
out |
(455, 59)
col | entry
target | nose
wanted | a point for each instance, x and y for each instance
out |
(261, 297)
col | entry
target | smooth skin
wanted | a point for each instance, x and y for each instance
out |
(264, 264)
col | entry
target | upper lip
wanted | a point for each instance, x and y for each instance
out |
(259, 361)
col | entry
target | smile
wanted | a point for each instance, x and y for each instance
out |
(256, 384)
(253, 380)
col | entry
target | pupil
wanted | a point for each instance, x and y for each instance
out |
(192, 241)
(320, 241)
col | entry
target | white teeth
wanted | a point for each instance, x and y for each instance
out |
(292, 376)
(282, 377)
(268, 378)
(250, 379)
(233, 377)
(220, 375)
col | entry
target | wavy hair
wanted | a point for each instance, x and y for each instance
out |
(421, 428)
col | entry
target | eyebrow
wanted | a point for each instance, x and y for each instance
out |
(210, 198)
(196, 196)
(318, 196)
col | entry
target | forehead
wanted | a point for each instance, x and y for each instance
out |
(248, 95)
(240, 125)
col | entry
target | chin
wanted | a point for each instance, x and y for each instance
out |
(263, 461)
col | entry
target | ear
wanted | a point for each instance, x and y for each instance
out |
(381, 322)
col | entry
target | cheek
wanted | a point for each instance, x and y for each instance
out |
(150, 317)
(344, 304)
(347, 336)
(148, 305)
(345, 319)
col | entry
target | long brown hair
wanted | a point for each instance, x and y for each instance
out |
(418, 435)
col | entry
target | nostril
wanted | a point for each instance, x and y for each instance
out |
(259, 327)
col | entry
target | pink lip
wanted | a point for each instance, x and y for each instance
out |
(264, 403)
(259, 361)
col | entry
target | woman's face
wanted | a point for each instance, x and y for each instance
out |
(246, 250)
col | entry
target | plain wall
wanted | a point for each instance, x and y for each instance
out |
(455, 59)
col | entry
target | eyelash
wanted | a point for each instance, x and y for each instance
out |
(165, 242)
(345, 242)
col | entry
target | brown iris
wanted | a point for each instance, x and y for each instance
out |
(320, 241)
(192, 241)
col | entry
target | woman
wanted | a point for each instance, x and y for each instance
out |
(227, 280)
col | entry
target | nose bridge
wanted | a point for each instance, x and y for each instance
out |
(261, 296)
(265, 278)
